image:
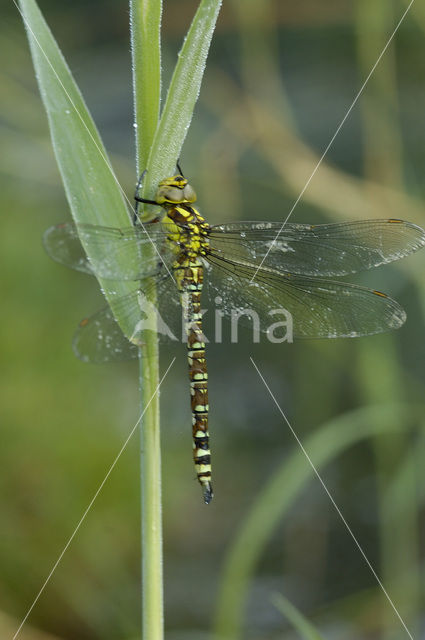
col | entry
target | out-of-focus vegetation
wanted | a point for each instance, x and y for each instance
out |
(279, 80)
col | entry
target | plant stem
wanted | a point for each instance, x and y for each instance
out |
(145, 41)
(145, 24)
(380, 378)
(150, 458)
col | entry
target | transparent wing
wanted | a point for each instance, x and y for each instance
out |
(100, 339)
(318, 250)
(117, 250)
(318, 308)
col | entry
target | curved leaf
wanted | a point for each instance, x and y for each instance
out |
(182, 95)
(92, 189)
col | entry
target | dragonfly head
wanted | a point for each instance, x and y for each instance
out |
(175, 190)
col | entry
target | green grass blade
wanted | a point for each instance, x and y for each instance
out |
(379, 378)
(296, 618)
(93, 192)
(145, 23)
(182, 95)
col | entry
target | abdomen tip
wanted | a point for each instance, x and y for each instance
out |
(208, 493)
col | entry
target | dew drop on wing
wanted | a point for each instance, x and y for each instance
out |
(262, 226)
(398, 318)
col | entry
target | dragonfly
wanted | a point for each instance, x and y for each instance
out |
(178, 255)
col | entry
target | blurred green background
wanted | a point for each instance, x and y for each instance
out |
(279, 80)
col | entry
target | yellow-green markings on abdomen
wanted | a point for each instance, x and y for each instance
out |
(189, 277)
(188, 233)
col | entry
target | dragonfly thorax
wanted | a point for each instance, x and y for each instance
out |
(174, 190)
(188, 230)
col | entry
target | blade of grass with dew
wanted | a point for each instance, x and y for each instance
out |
(296, 618)
(145, 34)
(93, 192)
(182, 95)
(284, 487)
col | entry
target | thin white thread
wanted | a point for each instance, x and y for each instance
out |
(91, 502)
(333, 138)
(104, 158)
(333, 501)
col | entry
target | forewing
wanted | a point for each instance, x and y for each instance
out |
(318, 308)
(99, 338)
(118, 254)
(318, 250)
(63, 245)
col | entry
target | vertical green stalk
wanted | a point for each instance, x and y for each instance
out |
(397, 525)
(145, 24)
(151, 513)
(380, 375)
(145, 41)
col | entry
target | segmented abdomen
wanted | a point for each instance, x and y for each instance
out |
(189, 278)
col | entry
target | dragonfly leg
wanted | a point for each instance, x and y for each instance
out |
(139, 199)
(140, 180)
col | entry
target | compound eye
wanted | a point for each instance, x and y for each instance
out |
(172, 194)
(189, 194)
